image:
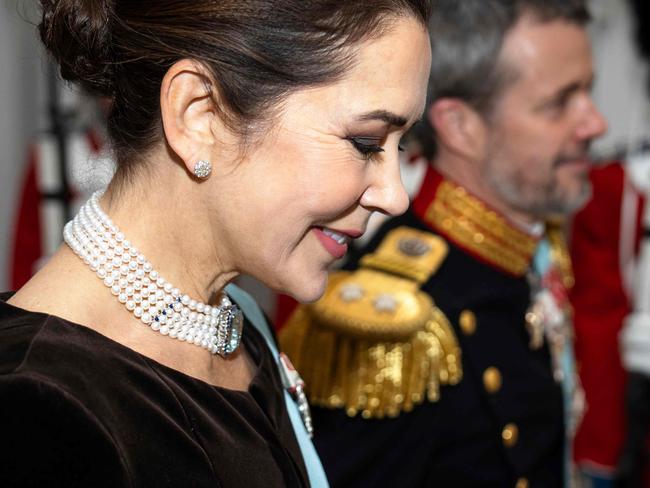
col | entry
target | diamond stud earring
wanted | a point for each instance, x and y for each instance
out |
(202, 169)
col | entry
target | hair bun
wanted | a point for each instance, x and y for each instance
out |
(77, 33)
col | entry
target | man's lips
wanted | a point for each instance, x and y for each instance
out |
(580, 163)
(577, 158)
(336, 241)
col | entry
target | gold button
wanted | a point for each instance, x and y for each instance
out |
(492, 380)
(467, 321)
(509, 434)
(522, 483)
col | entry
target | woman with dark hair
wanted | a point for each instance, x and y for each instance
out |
(252, 137)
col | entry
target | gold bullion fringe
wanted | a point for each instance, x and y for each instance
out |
(375, 379)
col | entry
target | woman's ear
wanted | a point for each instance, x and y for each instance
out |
(459, 128)
(187, 112)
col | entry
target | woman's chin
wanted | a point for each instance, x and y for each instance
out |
(308, 291)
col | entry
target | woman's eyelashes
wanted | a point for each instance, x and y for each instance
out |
(367, 146)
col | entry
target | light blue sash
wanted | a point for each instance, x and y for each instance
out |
(254, 314)
(541, 263)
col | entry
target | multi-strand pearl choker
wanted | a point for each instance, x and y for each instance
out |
(131, 278)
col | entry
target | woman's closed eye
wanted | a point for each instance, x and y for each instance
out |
(367, 146)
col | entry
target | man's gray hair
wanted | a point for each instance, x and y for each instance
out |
(466, 39)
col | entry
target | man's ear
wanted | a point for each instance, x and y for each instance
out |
(459, 128)
(187, 112)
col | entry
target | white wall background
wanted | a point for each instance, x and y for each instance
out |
(619, 91)
(22, 108)
(621, 77)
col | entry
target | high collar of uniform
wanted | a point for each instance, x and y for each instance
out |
(472, 225)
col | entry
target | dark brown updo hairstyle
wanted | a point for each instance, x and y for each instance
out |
(257, 52)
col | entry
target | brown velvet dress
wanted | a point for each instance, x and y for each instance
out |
(78, 409)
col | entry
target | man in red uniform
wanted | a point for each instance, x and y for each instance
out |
(604, 242)
(611, 253)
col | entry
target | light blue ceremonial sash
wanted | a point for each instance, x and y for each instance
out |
(254, 314)
(541, 263)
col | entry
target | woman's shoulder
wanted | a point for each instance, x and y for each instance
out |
(49, 435)
(67, 362)
(19, 330)
(36, 343)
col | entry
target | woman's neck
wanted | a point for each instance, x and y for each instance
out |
(164, 223)
(165, 218)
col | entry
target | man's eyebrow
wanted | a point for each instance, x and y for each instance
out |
(385, 116)
(573, 87)
(570, 88)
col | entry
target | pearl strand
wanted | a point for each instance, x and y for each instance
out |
(157, 303)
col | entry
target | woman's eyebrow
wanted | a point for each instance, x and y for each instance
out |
(385, 116)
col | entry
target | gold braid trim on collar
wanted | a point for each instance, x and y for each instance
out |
(468, 222)
(375, 344)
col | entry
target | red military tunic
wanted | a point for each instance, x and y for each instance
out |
(604, 239)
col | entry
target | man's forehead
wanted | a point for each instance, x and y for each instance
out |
(547, 53)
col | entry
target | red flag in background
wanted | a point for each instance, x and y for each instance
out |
(40, 216)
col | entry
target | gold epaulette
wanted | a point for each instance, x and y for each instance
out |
(375, 343)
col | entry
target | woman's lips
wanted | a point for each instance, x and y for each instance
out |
(334, 242)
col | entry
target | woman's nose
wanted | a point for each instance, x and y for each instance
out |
(386, 193)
